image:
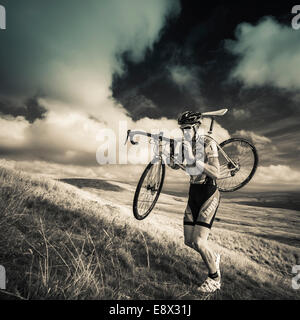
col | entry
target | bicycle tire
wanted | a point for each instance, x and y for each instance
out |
(253, 170)
(137, 214)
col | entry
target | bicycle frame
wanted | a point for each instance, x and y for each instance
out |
(172, 151)
(159, 138)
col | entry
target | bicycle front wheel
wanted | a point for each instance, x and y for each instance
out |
(148, 189)
(245, 161)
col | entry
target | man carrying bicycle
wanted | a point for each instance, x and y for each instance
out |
(204, 197)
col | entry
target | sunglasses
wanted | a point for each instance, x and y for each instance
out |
(187, 127)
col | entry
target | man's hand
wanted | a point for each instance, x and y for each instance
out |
(174, 166)
(188, 151)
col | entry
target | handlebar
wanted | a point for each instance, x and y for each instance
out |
(158, 136)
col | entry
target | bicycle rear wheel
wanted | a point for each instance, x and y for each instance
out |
(245, 158)
(148, 189)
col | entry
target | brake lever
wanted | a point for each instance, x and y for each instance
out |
(128, 135)
(128, 132)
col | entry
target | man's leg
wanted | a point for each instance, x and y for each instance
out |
(195, 237)
(213, 281)
(200, 235)
(202, 228)
(188, 235)
(188, 227)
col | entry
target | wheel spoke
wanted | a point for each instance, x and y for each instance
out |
(242, 155)
(149, 188)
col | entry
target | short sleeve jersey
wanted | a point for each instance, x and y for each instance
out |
(210, 151)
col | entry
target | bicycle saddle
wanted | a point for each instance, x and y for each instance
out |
(220, 112)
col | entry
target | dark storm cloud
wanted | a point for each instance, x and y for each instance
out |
(30, 109)
(191, 66)
(52, 155)
(285, 135)
(140, 105)
(67, 48)
(204, 61)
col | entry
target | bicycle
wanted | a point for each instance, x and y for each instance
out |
(237, 156)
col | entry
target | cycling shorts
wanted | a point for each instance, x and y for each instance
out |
(202, 205)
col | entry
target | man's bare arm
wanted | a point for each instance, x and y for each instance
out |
(211, 168)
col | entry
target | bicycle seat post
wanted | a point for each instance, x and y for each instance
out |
(211, 126)
(160, 142)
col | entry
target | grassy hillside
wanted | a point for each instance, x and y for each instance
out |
(60, 242)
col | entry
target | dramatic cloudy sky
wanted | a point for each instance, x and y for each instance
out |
(71, 68)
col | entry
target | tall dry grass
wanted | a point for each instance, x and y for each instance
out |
(58, 242)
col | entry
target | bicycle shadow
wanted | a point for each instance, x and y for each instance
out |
(92, 183)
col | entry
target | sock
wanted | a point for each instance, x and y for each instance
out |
(213, 275)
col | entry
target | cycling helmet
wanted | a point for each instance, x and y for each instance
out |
(189, 117)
